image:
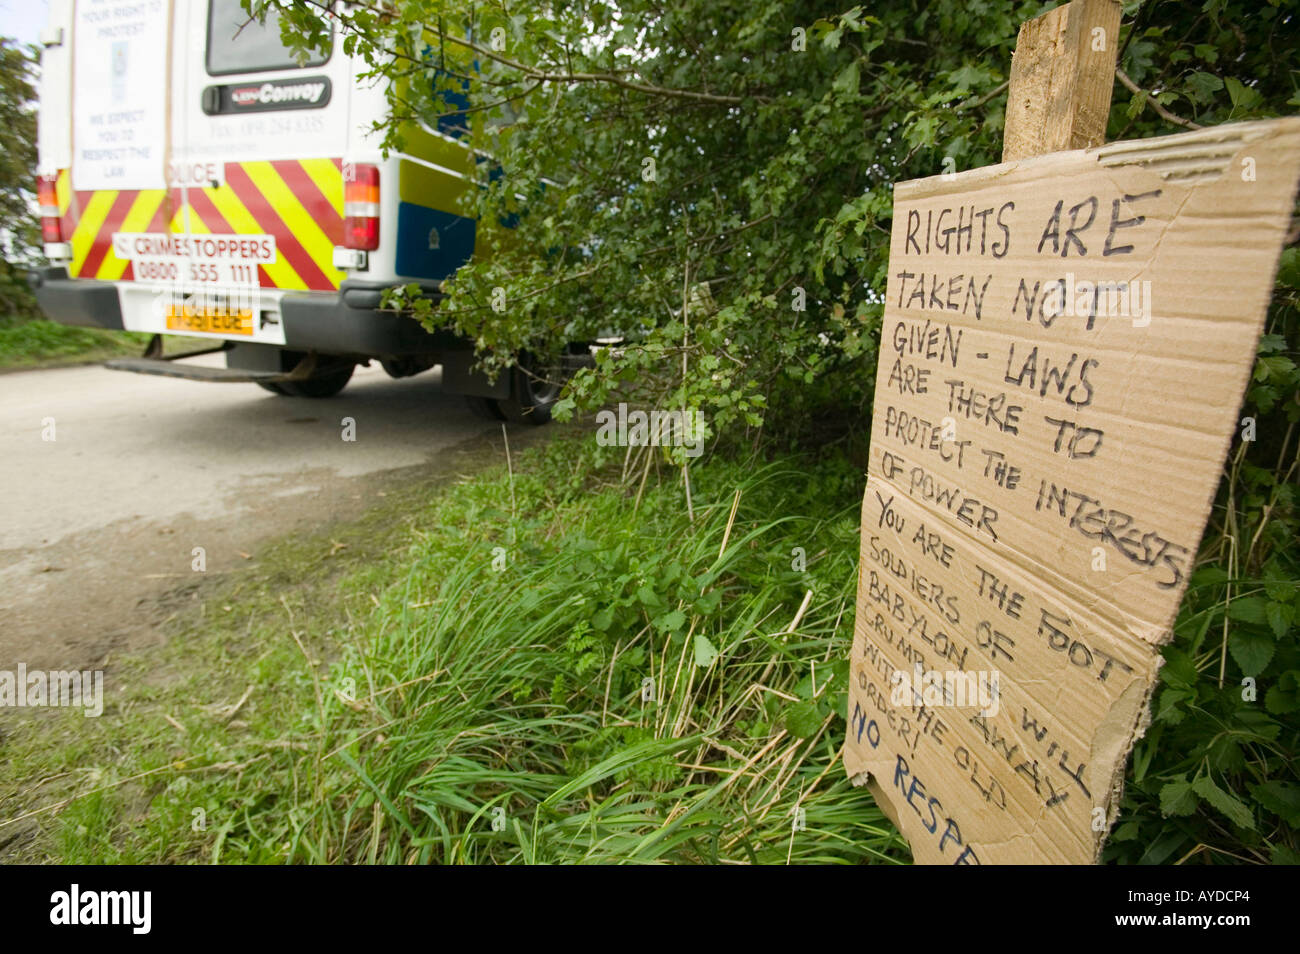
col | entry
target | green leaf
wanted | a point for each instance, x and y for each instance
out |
(1271, 343)
(1251, 649)
(705, 651)
(1241, 95)
(1229, 805)
(1280, 798)
(707, 604)
(1280, 616)
(1177, 798)
(1168, 709)
(1126, 832)
(1280, 853)
(1209, 575)
(802, 720)
(649, 598)
(1247, 609)
(847, 81)
(1179, 669)
(1284, 697)
(1136, 104)
(965, 78)
(1288, 272)
(672, 623)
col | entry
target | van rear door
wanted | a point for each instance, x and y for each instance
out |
(275, 132)
(206, 164)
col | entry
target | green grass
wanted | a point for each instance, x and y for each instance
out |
(39, 343)
(461, 678)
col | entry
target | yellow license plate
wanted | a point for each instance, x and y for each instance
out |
(217, 321)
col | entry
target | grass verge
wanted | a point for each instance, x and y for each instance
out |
(41, 343)
(527, 666)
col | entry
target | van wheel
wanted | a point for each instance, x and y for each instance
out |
(324, 383)
(533, 391)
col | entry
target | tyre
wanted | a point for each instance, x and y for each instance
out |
(406, 367)
(325, 382)
(533, 391)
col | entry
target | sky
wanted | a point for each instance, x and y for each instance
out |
(23, 19)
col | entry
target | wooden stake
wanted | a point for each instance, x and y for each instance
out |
(1062, 76)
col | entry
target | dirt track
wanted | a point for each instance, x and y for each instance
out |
(101, 522)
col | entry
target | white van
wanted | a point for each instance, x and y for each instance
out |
(194, 179)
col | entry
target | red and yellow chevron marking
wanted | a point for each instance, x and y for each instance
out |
(298, 201)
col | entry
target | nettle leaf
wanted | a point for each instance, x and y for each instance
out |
(707, 604)
(1231, 806)
(1288, 273)
(803, 719)
(1281, 854)
(1179, 669)
(1280, 617)
(671, 622)
(1257, 725)
(1168, 709)
(705, 651)
(1252, 649)
(1247, 609)
(1277, 586)
(1281, 798)
(649, 598)
(1177, 798)
(1225, 754)
(1284, 697)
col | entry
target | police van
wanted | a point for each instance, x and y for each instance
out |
(196, 179)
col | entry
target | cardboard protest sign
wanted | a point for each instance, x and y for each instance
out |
(1065, 346)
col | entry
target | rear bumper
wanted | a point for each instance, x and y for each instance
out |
(76, 301)
(346, 322)
(350, 322)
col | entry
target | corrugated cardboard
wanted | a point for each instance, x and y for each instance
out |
(1040, 475)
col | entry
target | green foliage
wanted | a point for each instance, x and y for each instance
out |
(772, 169)
(19, 226)
(431, 705)
(38, 342)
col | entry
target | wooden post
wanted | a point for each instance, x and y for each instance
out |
(1062, 75)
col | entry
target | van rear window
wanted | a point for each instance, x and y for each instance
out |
(237, 44)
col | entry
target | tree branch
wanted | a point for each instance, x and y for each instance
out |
(1163, 113)
(544, 76)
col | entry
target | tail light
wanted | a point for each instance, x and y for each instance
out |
(51, 225)
(361, 206)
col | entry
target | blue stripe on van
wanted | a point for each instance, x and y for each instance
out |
(430, 243)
